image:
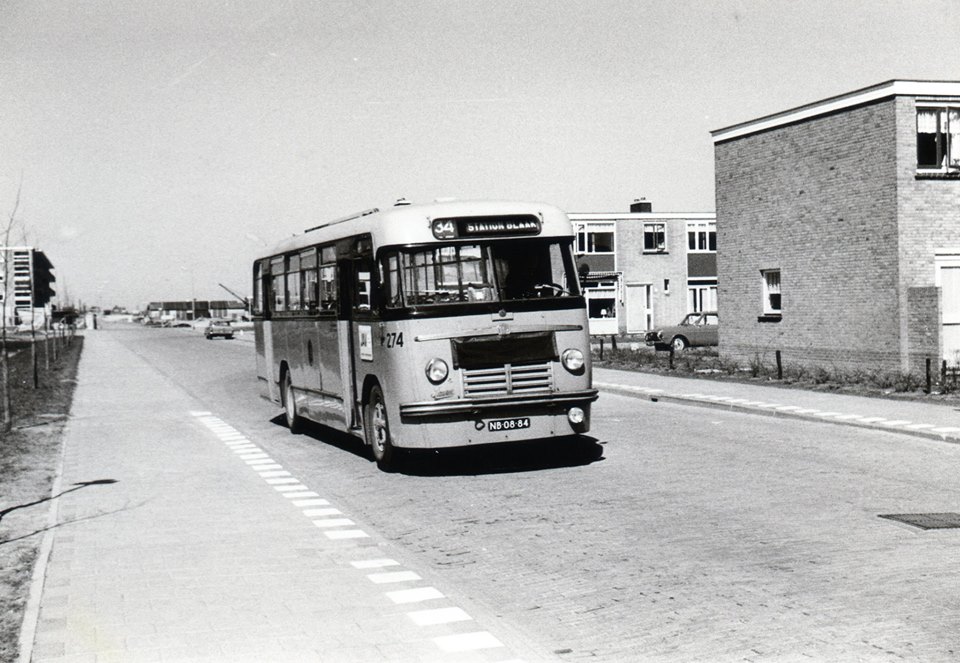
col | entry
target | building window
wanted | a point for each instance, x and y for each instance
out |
(701, 295)
(938, 139)
(771, 292)
(702, 237)
(595, 238)
(654, 237)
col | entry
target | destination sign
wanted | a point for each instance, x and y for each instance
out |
(486, 226)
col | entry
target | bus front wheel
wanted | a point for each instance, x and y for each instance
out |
(294, 420)
(377, 430)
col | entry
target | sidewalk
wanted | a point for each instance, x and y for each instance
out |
(939, 422)
(178, 538)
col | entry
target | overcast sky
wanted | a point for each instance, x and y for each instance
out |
(161, 144)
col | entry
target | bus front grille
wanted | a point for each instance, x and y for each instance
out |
(508, 379)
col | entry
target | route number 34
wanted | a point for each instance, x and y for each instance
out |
(392, 340)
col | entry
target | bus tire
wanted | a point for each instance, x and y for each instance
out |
(376, 429)
(294, 420)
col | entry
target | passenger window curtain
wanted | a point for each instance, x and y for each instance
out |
(926, 121)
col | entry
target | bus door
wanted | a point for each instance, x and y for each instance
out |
(266, 369)
(326, 370)
(356, 341)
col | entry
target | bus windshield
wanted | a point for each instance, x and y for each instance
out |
(502, 271)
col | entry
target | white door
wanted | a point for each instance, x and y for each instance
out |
(639, 313)
(949, 278)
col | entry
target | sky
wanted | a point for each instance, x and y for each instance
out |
(159, 146)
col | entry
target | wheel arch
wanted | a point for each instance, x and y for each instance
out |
(368, 383)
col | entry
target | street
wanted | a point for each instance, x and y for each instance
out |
(676, 533)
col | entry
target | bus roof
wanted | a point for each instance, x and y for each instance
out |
(412, 224)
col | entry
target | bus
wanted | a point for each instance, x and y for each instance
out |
(427, 326)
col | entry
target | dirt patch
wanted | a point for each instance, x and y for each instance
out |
(29, 462)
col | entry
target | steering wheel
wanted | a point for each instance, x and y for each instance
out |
(553, 287)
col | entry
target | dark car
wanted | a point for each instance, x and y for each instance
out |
(696, 329)
(219, 328)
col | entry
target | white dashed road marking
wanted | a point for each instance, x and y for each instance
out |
(318, 509)
(439, 616)
(417, 595)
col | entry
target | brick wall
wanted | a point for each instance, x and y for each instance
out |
(816, 200)
(929, 211)
(923, 327)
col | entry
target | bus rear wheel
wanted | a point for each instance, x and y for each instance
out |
(377, 430)
(294, 420)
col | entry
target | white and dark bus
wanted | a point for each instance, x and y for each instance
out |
(427, 326)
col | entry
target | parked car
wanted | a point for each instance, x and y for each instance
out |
(219, 328)
(696, 329)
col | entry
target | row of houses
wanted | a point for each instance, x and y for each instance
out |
(836, 238)
(194, 309)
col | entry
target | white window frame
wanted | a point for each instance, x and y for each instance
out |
(585, 231)
(700, 295)
(702, 231)
(651, 227)
(950, 160)
(771, 284)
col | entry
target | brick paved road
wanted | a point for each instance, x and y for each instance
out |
(699, 535)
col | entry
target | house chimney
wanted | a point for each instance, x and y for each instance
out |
(641, 205)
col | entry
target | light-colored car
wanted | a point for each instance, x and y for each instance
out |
(219, 328)
(696, 329)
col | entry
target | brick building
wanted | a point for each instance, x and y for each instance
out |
(839, 223)
(641, 269)
(26, 291)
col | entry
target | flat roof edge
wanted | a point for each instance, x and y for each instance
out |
(832, 104)
(604, 216)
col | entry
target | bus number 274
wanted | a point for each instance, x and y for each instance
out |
(392, 339)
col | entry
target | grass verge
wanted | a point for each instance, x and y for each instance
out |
(29, 462)
(706, 364)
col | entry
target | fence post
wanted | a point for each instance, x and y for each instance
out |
(671, 356)
(779, 366)
(601, 348)
(613, 342)
(929, 386)
(943, 376)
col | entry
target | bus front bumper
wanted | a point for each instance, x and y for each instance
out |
(493, 406)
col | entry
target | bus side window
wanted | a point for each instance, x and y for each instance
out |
(279, 298)
(257, 304)
(362, 291)
(328, 278)
(390, 287)
(293, 283)
(363, 268)
(310, 298)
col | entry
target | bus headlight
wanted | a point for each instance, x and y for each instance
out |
(576, 415)
(572, 360)
(437, 370)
